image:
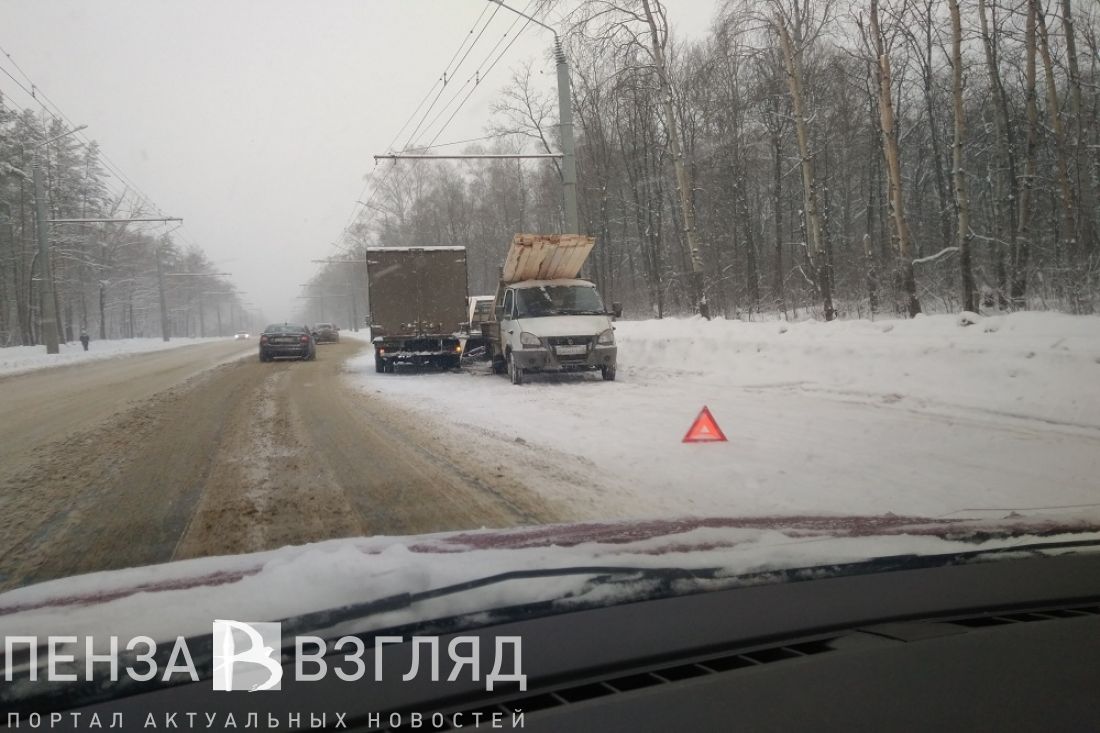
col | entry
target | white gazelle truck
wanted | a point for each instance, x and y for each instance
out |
(546, 319)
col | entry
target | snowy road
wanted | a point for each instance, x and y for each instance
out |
(925, 417)
(196, 452)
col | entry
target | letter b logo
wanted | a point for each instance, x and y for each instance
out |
(246, 655)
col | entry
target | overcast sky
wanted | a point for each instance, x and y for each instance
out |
(256, 120)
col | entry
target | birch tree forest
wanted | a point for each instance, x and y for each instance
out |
(841, 159)
(105, 275)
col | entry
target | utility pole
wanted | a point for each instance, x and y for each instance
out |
(45, 275)
(568, 148)
(351, 288)
(164, 329)
(49, 304)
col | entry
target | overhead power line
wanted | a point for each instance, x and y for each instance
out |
(43, 100)
(441, 83)
(488, 63)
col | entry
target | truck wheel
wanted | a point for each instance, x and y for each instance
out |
(515, 372)
(499, 366)
(608, 373)
(379, 364)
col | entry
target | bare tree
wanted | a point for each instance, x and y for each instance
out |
(962, 197)
(893, 166)
(643, 25)
(792, 41)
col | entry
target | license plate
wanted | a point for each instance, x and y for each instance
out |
(572, 350)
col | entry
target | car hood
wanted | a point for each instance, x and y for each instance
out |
(184, 597)
(565, 325)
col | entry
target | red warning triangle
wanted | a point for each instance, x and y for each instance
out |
(704, 429)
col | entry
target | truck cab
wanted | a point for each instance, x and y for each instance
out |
(556, 325)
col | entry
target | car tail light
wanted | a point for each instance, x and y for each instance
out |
(305, 339)
(263, 339)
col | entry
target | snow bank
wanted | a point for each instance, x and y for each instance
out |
(918, 417)
(19, 359)
(1035, 365)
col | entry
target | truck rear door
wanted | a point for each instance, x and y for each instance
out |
(416, 291)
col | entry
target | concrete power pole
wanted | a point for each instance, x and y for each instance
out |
(164, 329)
(568, 146)
(48, 304)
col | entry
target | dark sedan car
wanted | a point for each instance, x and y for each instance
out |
(287, 340)
(326, 333)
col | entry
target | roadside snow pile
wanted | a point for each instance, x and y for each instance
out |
(19, 359)
(917, 417)
(1036, 365)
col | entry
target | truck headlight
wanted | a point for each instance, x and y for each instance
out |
(607, 338)
(529, 340)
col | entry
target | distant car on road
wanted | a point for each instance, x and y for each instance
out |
(326, 333)
(241, 336)
(287, 340)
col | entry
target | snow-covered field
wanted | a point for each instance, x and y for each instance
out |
(19, 359)
(927, 417)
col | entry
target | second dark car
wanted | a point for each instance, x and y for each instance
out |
(287, 340)
(326, 333)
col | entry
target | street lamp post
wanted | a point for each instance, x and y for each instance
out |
(351, 288)
(49, 306)
(565, 115)
(165, 327)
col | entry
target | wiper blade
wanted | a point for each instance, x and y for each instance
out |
(665, 576)
(318, 620)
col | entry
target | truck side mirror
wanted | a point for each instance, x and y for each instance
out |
(617, 310)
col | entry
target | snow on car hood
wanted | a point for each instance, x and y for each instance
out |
(184, 597)
(565, 325)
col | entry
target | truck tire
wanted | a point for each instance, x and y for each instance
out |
(515, 371)
(379, 364)
(608, 373)
(499, 366)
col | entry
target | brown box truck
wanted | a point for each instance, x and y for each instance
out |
(417, 304)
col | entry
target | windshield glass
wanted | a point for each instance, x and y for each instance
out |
(715, 291)
(557, 300)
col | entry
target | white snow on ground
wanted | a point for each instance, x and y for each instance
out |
(924, 416)
(19, 359)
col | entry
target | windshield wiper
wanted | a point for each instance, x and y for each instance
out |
(318, 620)
(665, 577)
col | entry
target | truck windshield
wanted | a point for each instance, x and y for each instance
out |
(557, 300)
